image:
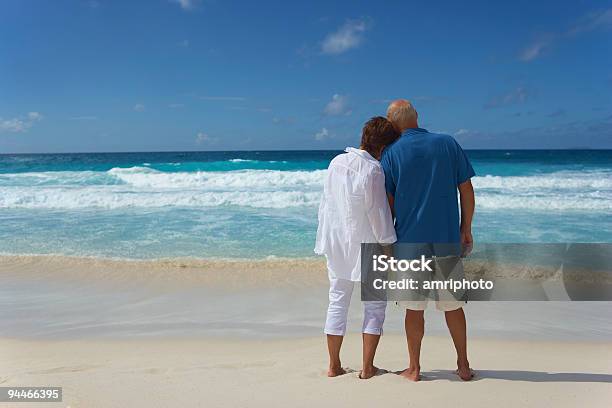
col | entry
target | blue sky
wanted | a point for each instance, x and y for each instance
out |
(221, 75)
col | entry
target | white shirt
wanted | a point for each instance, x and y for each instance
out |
(354, 209)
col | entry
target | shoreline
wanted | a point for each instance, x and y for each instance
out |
(77, 298)
(292, 272)
(251, 272)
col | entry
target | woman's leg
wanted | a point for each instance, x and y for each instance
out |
(333, 347)
(340, 291)
(373, 319)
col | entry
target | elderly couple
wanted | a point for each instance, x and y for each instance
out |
(405, 174)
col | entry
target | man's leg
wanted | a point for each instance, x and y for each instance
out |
(340, 291)
(415, 329)
(455, 320)
(373, 320)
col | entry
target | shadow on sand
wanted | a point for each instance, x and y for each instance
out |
(517, 375)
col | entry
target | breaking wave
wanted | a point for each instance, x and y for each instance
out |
(261, 188)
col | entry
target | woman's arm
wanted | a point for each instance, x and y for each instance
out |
(379, 212)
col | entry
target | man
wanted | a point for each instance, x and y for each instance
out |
(423, 172)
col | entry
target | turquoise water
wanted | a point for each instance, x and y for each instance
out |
(260, 204)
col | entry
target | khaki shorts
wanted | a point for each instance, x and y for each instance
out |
(445, 300)
(441, 305)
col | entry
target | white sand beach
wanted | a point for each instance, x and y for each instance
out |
(191, 333)
(291, 372)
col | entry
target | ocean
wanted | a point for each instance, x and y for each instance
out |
(264, 204)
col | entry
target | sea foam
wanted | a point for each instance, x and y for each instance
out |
(260, 188)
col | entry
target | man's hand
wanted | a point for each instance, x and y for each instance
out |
(387, 249)
(466, 236)
(467, 242)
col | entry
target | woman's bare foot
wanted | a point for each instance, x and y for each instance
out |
(412, 373)
(368, 372)
(335, 371)
(465, 373)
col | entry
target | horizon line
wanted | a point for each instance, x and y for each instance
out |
(292, 150)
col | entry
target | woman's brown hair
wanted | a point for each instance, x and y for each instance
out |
(377, 133)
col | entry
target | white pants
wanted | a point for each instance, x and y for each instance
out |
(340, 291)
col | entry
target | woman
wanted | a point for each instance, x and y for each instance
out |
(354, 209)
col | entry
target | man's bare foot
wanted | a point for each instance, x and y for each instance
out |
(335, 371)
(412, 373)
(368, 372)
(465, 372)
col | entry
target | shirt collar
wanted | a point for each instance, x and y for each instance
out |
(414, 130)
(361, 153)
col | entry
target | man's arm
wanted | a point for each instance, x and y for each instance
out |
(468, 203)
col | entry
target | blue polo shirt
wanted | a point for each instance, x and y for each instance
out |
(422, 172)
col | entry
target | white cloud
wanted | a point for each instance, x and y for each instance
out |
(185, 4)
(176, 105)
(322, 134)
(20, 124)
(347, 37)
(34, 116)
(339, 105)
(594, 21)
(601, 19)
(139, 107)
(467, 135)
(535, 49)
(205, 138)
(14, 125)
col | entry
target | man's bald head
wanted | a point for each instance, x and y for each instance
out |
(402, 114)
